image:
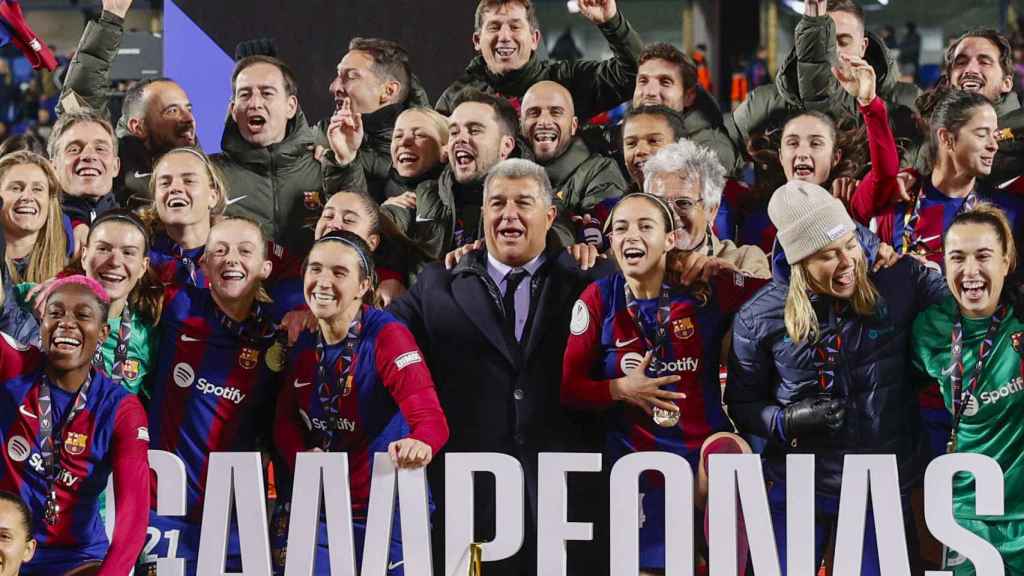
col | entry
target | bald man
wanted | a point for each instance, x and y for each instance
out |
(585, 184)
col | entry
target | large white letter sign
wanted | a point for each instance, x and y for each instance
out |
(458, 516)
(170, 501)
(415, 519)
(625, 512)
(552, 507)
(235, 478)
(875, 474)
(988, 501)
(316, 474)
(726, 474)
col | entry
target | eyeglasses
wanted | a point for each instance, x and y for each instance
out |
(685, 205)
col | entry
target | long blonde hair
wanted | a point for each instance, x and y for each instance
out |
(49, 254)
(802, 321)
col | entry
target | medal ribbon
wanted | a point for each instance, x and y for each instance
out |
(910, 241)
(956, 377)
(330, 390)
(657, 344)
(47, 449)
(827, 350)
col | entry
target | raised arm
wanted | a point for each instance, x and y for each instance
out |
(88, 78)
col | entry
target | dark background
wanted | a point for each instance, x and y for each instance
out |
(313, 35)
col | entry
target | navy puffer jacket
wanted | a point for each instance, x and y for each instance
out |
(768, 371)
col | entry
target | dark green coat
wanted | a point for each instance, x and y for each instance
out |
(582, 180)
(595, 86)
(282, 186)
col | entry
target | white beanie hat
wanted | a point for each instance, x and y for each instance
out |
(807, 218)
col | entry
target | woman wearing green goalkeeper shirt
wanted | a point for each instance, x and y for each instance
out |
(972, 345)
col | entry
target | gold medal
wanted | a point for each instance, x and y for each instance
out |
(665, 418)
(275, 357)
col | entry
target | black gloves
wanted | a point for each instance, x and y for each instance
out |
(813, 415)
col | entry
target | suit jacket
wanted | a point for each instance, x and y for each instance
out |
(499, 395)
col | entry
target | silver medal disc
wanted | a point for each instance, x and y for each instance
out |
(665, 418)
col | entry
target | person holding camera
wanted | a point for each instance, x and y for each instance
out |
(820, 358)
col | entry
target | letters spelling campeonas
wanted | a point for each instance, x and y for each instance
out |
(874, 477)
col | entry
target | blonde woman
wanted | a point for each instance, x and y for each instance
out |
(820, 358)
(37, 247)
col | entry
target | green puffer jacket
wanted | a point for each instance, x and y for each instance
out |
(282, 186)
(1009, 161)
(374, 156)
(595, 86)
(87, 84)
(582, 180)
(703, 123)
(805, 82)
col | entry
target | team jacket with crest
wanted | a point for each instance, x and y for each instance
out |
(108, 435)
(391, 397)
(212, 389)
(604, 344)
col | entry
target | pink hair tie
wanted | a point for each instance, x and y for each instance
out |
(93, 286)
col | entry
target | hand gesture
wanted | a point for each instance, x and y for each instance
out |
(637, 389)
(857, 77)
(404, 200)
(118, 7)
(410, 453)
(886, 257)
(598, 11)
(296, 321)
(815, 7)
(906, 182)
(586, 255)
(687, 268)
(345, 133)
(453, 257)
(844, 188)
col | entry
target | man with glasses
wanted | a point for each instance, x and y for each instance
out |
(691, 179)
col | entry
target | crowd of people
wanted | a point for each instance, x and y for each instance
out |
(829, 269)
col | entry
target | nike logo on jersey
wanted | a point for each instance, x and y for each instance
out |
(621, 343)
(186, 338)
(238, 199)
(143, 174)
(301, 384)
(24, 412)
(930, 238)
(947, 371)
(393, 565)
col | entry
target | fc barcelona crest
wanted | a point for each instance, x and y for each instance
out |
(130, 369)
(683, 328)
(75, 443)
(1017, 338)
(311, 200)
(248, 358)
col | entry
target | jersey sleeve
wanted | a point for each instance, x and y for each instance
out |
(401, 367)
(131, 487)
(579, 390)
(289, 435)
(878, 189)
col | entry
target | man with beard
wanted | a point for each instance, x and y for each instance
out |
(828, 32)
(268, 159)
(482, 131)
(507, 35)
(586, 185)
(981, 60)
(375, 82)
(156, 115)
(690, 179)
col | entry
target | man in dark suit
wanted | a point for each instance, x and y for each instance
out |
(494, 329)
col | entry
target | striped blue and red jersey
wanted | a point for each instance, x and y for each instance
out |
(176, 265)
(391, 397)
(604, 344)
(109, 435)
(213, 384)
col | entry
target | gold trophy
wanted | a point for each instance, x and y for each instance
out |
(475, 556)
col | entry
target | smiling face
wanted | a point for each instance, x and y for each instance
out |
(975, 67)
(416, 146)
(86, 163)
(235, 259)
(261, 106)
(683, 194)
(505, 38)
(183, 192)
(808, 150)
(976, 267)
(548, 120)
(974, 147)
(16, 543)
(347, 211)
(333, 282)
(659, 81)
(516, 220)
(638, 236)
(833, 269)
(25, 191)
(642, 137)
(73, 326)
(115, 257)
(475, 141)
(168, 122)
